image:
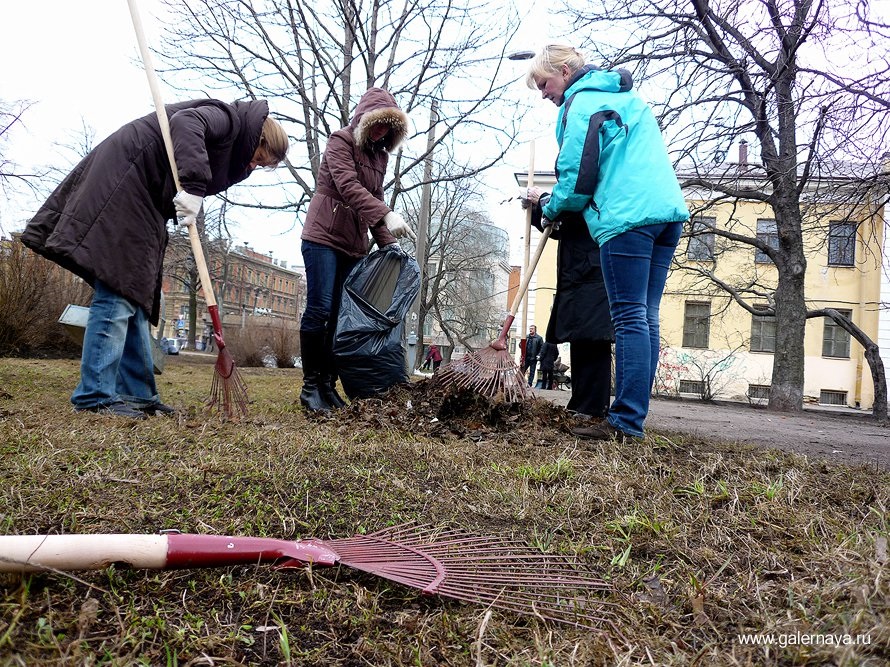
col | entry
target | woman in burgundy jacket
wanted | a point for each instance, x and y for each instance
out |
(346, 205)
(107, 223)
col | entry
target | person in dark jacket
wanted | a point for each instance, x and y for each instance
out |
(549, 353)
(580, 314)
(613, 169)
(107, 223)
(533, 345)
(346, 205)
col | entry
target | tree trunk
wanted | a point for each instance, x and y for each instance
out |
(786, 393)
(878, 377)
(872, 356)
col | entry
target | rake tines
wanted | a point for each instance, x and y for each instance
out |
(228, 393)
(489, 372)
(492, 371)
(495, 571)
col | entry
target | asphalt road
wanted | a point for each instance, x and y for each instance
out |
(848, 436)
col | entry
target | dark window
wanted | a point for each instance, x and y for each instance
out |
(701, 240)
(768, 233)
(692, 387)
(763, 332)
(832, 397)
(696, 324)
(835, 340)
(758, 391)
(841, 243)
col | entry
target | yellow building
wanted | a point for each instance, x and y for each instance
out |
(714, 348)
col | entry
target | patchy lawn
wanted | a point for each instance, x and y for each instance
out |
(702, 542)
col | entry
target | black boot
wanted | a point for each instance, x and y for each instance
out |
(312, 351)
(328, 381)
(328, 386)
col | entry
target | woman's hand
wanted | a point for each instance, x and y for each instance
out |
(531, 197)
(397, 226)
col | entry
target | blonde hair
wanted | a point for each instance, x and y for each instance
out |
(273, 140)
(551, 59)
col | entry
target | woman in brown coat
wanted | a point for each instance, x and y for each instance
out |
(107, 223)
(346, 205)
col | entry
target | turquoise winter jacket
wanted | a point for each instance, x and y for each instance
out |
(612, 164)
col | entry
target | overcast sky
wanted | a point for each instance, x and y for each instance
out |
(79, 64)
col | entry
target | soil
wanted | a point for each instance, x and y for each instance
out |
(845, 435)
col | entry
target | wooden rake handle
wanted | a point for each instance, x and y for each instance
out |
(161, 112)
(532, 265)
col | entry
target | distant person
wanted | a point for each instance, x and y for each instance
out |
(434, 357)
(208, 337)
(549, 353)
(106, 222)
(613, 168)
(346, 205)
(533, 345)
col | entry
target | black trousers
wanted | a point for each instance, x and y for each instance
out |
(591, 378)
(546, 379)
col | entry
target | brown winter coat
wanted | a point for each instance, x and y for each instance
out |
(107, 219)
(348, 199)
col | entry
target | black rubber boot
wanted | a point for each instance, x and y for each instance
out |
(328, 382)
(312, 351)
(328, 386)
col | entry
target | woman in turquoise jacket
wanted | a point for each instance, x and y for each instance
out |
(614, 169)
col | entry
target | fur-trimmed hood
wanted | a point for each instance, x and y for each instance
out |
(379, 106)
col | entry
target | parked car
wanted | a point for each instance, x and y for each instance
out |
(170, 345)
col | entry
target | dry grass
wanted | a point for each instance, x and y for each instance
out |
(701, 541)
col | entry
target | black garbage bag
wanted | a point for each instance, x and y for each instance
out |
(368, 350)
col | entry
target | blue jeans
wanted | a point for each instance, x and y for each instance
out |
(116, 363)
(635, 267)
(326, 272)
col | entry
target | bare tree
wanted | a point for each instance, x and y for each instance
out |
(465, 253)
(797, 78)
(13, 177)
(314, 60)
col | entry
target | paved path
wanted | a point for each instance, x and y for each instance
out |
(850, 436)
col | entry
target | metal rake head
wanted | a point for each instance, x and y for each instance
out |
(228, 393)
(490, 372)
(495, 571)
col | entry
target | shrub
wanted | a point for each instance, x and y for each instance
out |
(274, 340)
(33, 294)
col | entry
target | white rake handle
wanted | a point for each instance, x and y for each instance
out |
(29, 553)
(161, 112)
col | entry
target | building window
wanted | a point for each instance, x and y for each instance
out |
(763, 332)
(696, 387)
(831, 397)
(768, 233)
(696, 324)
(758, 391)
(835, 340)
(841, 243)
(701, 240)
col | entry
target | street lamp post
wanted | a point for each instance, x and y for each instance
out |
(423, 226)
(526, 55)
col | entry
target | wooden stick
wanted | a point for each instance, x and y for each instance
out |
(161, 112)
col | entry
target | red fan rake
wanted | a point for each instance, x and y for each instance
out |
(494, 571)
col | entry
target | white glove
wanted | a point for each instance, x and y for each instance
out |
(189, 208)
(397, 226)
